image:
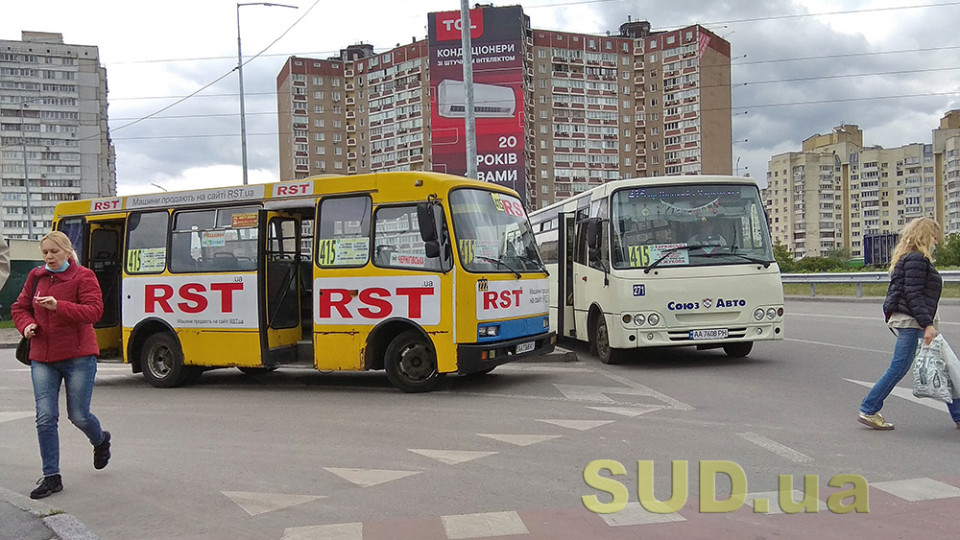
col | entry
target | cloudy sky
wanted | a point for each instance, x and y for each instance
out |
(800, 67)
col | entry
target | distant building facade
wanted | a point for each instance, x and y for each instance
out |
(557, 112)
(53, 95)
(835, 193)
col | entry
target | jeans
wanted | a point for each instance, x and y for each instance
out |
(78, 375)
(903, 353)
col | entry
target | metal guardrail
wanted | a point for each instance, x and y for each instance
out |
(858, 278)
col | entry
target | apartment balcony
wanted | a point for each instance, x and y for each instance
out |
(352, 169)
(350, 115)
(349, 87)
(350, 101)
(351, 142)
(351, 128)
(352, 156)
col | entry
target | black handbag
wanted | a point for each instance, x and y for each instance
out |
(23, 348)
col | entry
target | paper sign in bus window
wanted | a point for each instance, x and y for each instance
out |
(343, 251)
(213, 238)
(146, 260)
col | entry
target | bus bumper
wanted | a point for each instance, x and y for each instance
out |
(475, 357)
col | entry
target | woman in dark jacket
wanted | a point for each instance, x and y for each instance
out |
(911, 312)
(56, 311)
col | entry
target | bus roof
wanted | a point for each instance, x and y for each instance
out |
(605, 189)
(399, 186)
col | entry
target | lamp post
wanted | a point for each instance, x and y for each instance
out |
(243, 122)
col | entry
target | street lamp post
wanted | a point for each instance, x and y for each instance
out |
(243, 121)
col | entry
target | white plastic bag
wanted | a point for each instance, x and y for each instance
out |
(930, 372)
(953, 367)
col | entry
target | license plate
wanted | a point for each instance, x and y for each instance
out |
(526, 347)
(714, 333)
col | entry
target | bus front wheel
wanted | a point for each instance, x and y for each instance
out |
(601, 340)
(739, 349)
(411, 363)
(162, 362)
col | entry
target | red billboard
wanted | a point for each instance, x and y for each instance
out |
(497, 48)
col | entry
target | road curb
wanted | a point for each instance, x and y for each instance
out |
(63, 525)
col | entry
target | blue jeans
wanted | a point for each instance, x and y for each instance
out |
(903, 353)
(77, 375)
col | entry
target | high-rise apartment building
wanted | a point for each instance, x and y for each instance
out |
(836, 192)
(53, 130)
(556, 112)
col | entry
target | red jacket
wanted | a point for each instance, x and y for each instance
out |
(66, 333)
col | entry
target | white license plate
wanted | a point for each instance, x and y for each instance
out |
(526, 347)
(713, 333)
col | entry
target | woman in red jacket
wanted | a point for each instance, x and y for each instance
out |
(56, 311)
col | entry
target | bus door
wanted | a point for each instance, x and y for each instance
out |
(589, 271)
(280, 325)
(104, 249)
(566, 325)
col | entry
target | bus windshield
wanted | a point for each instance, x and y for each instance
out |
(706, 224)
(492, 232)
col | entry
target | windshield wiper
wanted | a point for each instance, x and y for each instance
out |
(498, 262)
(732, 250)
(670, 252)
(534, 262)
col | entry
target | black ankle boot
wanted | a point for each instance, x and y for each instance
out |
(48, 486)
(101, 452)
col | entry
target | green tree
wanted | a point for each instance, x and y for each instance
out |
(948, 252)
(784, 258)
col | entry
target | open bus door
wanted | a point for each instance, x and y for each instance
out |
(566, 322)
(98, 241)
(280, 328)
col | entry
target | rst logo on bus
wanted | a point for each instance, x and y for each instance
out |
(192, 301)
(371, 300)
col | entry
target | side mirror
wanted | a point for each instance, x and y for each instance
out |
(593, 233)
(431, 249)
(428, 225)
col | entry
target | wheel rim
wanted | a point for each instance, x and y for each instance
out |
(603, 342)
(416, 363)
(160, 362)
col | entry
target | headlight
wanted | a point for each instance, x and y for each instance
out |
(653, 319)
(758, 314)
(489, 331)
(638, 319)
(626, 318)
(771, 313)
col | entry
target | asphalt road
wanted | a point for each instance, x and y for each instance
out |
(298, 454)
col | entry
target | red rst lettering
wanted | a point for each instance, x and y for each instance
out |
(189, 292)
(414, 299)
(384, 308)
(226, 294)
(326, 302)
(489, 300)
(513, 208)
(157, 294)
(516, 295)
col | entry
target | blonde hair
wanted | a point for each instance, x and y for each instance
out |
(62, 241)
(918, 236)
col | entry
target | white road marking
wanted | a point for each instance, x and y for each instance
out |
(673, 403)
(260, 503)
(369, 477)
(918, 489)
(772, 500)
(483, 525)
(519, 440)
(907, 394)
(635, 514)
(840, 346)
(776, 448)
(581, 425)
(582, 392)
(451, 457)
(16, 415)
(337, 531)
(628, 411)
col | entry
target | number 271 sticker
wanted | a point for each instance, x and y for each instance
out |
(639, 290)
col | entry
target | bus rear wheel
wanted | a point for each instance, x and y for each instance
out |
(161, 361)
(739, 349)
(411, 363)
(601, 340)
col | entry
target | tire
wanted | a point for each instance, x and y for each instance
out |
(161, 361)
(601, 341)
(411, 363)
(739, 349)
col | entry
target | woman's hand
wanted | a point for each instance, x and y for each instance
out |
(928, 334)
(30, 330)
(47, 302)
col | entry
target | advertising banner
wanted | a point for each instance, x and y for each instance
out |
(497, 47)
